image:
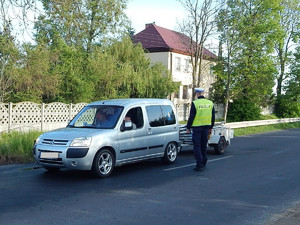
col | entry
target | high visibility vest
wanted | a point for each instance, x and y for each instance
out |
(203, 112)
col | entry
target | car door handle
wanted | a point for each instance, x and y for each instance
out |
(149, 131)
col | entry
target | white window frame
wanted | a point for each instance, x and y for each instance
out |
(177, 63)
(186, 65)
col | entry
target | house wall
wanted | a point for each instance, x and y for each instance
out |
(181, 69)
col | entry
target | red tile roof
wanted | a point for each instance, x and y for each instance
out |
(158, 39)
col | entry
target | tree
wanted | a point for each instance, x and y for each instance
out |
(123, 71)
(249, 31)
(288, 104)
(69, 64)
(198, 26)
(18, 12)
(289, 25)
(9, 57)
(33, 82)
(83, 23)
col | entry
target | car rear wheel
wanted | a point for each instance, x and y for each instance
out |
(103, 164)
(170, 154)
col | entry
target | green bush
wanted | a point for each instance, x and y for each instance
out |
(287, 107)
(243, 110)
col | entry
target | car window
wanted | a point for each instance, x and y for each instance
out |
(168, 114)
(155, 116)
(104, 117)
(136, 117)
(160, 115)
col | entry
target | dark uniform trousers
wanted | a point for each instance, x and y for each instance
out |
(200, 138)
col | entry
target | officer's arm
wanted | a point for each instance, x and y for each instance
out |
(191, 117)
(213, 118)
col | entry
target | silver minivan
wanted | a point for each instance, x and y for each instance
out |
(110, 133)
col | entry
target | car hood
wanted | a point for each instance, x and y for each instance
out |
(72, 133)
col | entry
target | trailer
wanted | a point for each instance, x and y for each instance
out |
(219, 138)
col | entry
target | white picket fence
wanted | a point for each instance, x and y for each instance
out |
(25, 116)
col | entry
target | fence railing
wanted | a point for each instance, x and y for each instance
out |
(261, 122)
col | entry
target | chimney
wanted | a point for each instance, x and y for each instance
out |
(149, 24)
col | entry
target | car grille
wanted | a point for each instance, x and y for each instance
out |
(55, 142)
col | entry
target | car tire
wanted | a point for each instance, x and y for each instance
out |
(103, 163)
(170, 154)
(221, 146)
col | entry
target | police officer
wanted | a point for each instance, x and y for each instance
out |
(201, 120)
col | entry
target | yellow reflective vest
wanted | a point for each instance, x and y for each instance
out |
(203, 115)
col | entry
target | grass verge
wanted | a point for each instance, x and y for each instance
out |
(16, 147)
(263, 129)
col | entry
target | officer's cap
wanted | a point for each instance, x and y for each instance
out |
(199, 90)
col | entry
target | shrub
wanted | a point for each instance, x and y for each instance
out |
(287, 107)
(243, 110)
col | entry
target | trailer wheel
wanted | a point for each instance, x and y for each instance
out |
(221, 146)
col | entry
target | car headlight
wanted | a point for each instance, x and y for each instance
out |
(81, 142)
(38, 141)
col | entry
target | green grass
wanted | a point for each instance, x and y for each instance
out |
(16, 147)
(263, 129)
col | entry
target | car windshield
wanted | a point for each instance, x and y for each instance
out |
(97, 116)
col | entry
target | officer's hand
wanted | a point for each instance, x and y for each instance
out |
(188, 131)
(209, 131)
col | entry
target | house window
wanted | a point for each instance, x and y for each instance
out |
(185, 92)
(186, 65)
(177, 63)
(211, 70)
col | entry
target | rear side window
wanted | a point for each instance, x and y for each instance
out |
(160, 115)
(168, 115)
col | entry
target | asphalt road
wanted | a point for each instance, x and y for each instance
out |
(256, 180)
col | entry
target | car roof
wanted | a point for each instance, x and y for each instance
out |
(133, 101)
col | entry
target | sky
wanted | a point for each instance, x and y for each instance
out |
(165, 13)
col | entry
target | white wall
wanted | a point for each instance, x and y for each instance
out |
(183, 74)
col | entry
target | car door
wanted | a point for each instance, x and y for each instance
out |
(133, 145)
(162, 127)
(155, 129)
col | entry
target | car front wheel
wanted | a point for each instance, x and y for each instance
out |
(103, 164)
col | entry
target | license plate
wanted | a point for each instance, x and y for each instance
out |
(49, 155)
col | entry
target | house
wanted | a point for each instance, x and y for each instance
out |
(171, 48)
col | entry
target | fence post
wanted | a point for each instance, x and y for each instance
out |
(70, 112)
(10, 106)
(42, 116)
